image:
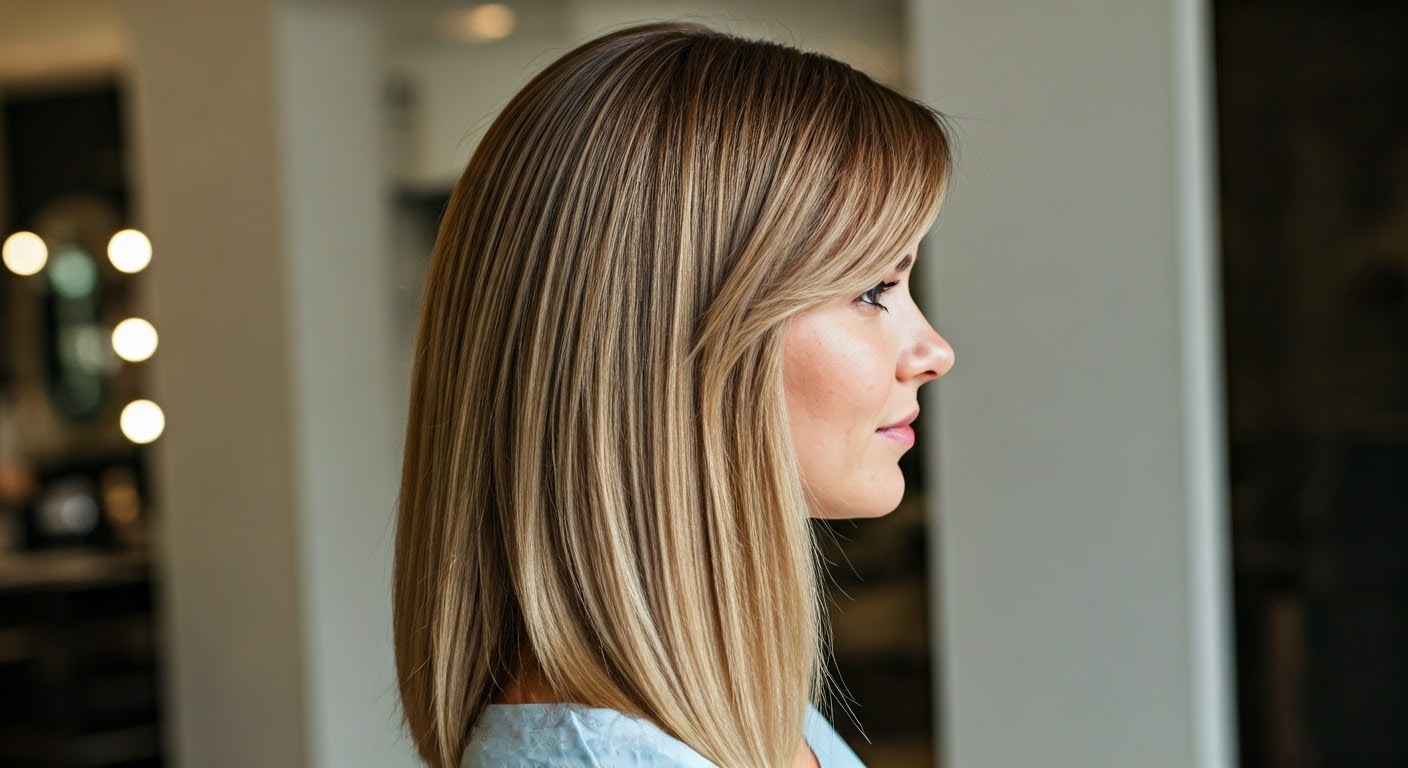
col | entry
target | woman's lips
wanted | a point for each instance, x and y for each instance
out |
(903, 435)
(900, 432)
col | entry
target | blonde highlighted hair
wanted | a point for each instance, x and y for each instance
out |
(598, 476)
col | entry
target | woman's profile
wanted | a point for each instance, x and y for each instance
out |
(667, 320)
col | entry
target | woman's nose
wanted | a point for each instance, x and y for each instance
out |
(927, 357)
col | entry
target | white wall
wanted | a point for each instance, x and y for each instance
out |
(209, 193)
(266, 192)
(336, 185)
(1082, 578)
(455, 92)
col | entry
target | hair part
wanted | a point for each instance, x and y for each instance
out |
(598, 475)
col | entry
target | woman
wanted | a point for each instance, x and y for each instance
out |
(667, 320)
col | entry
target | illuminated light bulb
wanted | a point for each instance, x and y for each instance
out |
(491, 21)
(142, 421)
(25, 253)
(130, 251)
(134, 340)
(482, 23)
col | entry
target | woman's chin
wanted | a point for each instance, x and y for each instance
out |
(874, 503)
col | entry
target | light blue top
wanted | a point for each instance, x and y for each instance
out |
(571, 736)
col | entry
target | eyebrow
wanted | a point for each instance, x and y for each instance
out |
(904, 263)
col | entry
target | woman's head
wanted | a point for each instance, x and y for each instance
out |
(599, 465)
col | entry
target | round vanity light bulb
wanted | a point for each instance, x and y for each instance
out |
(25, 253)
(130, 251)
(134, 340)
(142, 421)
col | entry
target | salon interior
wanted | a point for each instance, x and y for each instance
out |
(1157, 515)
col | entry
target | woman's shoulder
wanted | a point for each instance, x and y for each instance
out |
(533, 735)
(569, 735)
(830, 749)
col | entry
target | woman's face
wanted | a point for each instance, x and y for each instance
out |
(852, 370)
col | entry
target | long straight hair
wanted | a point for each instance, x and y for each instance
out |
(598, 475)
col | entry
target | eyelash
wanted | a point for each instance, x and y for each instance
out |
(872, 296)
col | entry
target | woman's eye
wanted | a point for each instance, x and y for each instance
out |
(872, 296)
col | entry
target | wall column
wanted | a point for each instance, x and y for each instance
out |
(1080, 535)
(264, 186)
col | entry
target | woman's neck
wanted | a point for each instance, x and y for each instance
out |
(527, 686)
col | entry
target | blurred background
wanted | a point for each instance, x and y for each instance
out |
(1158, 515)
